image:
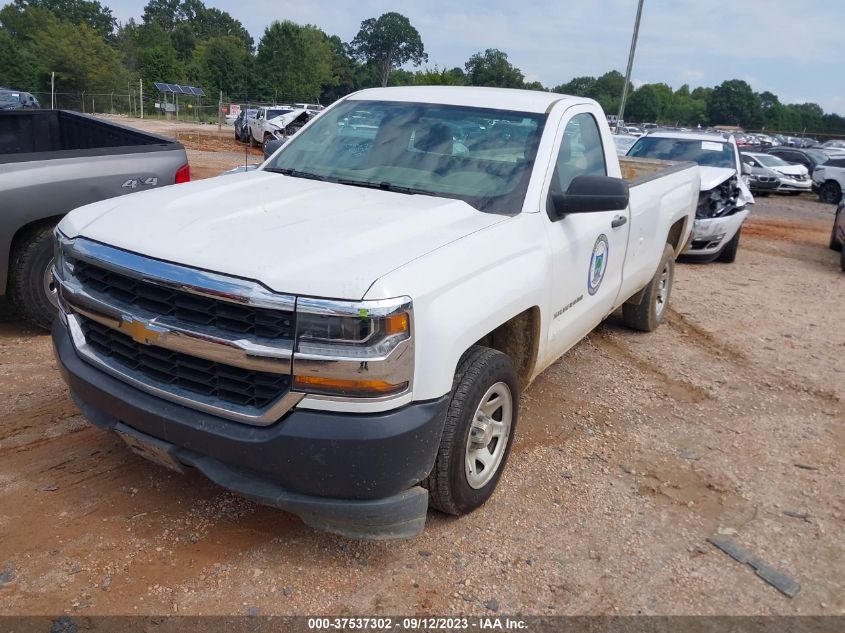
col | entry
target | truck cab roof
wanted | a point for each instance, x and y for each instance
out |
(533, 101)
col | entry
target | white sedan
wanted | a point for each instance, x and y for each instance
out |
(793, 178)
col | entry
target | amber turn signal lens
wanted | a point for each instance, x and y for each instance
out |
(396, 324)
(335, 386)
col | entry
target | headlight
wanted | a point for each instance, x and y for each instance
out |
(360, 349)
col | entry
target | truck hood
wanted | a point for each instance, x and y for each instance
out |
(283, 120)
(296, 236)
(712, 177)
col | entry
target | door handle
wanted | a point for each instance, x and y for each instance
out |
(618, 221)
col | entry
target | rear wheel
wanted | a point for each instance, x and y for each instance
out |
(477, 437)
(649, 313)
(830, 192)
(728, 253)
(32, 288)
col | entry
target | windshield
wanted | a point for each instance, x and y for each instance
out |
(771, 161)
(272, 114)
(10, 97)
(481, 156)
(715, 153)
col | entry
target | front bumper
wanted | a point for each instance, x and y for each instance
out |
(709, 235)
(352, 474)
(788, 184)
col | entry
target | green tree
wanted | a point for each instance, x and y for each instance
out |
(342, 80)
(492, 68)
(205, 22)
(607, 90)
(535, 85)
(388, 42)
(160, 63)
(294, 61)
(17, 63)
(579, 87)
(79, 56)
(221, 63)
(90, 12)
(184, 40)
(650, 102)
(437, 77)
(734, 103)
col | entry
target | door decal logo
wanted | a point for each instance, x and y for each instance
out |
(598, 264)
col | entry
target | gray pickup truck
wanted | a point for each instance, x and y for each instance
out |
(51, 162)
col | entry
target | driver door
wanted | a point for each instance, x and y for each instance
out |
(588, 249)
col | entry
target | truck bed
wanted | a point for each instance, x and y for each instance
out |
(48, 134)
(637, 171)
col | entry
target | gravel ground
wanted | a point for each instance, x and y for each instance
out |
(631, 451)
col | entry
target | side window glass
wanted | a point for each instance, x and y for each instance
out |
(581, 152)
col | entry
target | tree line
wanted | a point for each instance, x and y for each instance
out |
(184, 41)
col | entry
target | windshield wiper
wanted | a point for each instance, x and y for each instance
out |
(296, 173)
(384, 186)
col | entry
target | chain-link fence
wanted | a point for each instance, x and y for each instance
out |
(154, 104)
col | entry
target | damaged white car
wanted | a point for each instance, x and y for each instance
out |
(278, 123)
(722, 203)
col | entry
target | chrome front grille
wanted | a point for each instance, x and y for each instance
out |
(215, 343)
(167, 368)
(185, 307)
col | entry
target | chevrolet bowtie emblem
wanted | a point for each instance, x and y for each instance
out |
(144, 333)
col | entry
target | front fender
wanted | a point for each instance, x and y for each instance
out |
(465, 290)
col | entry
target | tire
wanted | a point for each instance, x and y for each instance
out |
(28, 277)
(649, 313)
(728, 253)
(452, 488)
(830, 192)
(835, 245)
(763, 194)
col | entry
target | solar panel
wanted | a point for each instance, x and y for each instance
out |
(178, 89)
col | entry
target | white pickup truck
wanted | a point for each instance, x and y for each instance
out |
(344, 333)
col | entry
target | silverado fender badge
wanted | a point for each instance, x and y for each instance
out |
(598, 264)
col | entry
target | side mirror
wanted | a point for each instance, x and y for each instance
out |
(590, 194)
(746, 169)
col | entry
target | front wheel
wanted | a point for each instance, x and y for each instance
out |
(728, 253)
(835, 244)
(649, 312)
(830, 192)
(478, 433)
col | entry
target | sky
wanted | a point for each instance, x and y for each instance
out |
(791, 48)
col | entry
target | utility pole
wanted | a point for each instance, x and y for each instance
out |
(630, 65)
(220, 112)
(112, 102)
(141, 84)
(53, 90)
(83, 102)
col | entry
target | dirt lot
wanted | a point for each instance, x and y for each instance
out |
(631, 450)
